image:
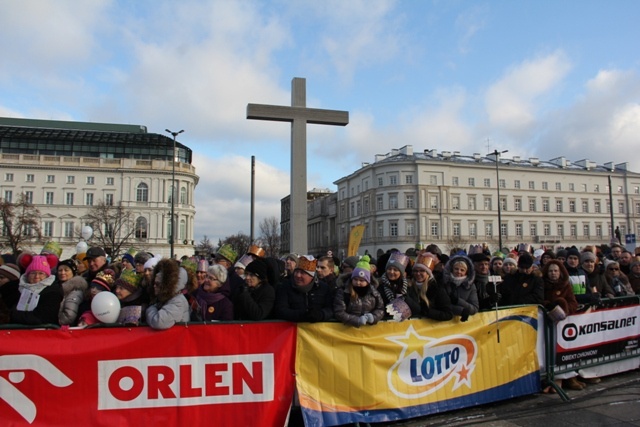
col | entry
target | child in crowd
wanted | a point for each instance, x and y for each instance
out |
(359, 303)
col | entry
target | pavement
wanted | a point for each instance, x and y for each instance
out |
(615, 401)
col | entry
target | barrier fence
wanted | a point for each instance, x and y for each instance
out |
(245, 373)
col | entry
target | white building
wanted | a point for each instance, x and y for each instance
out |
(406, 199)
(64, 168)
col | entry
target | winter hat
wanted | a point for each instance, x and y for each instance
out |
(128, 280)
(498, 254)
(227, 252)
(479, 257)
(292, 257)
(129, 258)
(95, 252)
(587, 256)
(509, 260)
(10, 271)
(219, 271)
(562, 253)
(572, 251)
(88, 318)
(308, 264)
(525, 260)
(39, 263)
(152, 262)
(258, 268)
(362, 269)
(203, 265)
(398, 260)
(104, 279)
(142, 258)
(71, 264)
(351, 261)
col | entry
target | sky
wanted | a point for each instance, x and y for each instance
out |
(538, 78)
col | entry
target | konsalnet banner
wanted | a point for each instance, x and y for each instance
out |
(220, 374)
(604, 335)
(393, 371)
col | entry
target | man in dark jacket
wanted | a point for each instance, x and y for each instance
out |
(524, 286)
(305, 298)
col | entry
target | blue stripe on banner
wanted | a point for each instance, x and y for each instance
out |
(528, 384)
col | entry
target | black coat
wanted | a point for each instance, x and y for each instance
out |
(296, 306)
(254, 303)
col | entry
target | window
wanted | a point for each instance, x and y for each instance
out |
(517, 204)
(91, 180)
(27, 230)
(502, 183)
(637, 208)
(8, 177)
(409, 201)
(408, 179)
(621, 207)
(433, 180)
(558, 186)
(599, 231)
(472, 203)
(69, 199)
(71, 179)
(380, 181)
(393, 228)
(636, 190)
(519, 230)
(393, 180)
(47, 229)
(532, 185)
(584, 188)
(456, 229)
(108, 199)
(68, 229)
(352, 209)
(455, 181)
(48, 198)
(619, 188)
(379, 203)
(142, 192)
(561, 230)
(585, 230)
(366, 205)
(572, 206)
(473, 229)
(503, 203)
(411, 228)
(488, 230)
(503, 229)
(516, 184)
(393, 201)
(573, 230)
(435, 229)
(487, 182)
(28, 197)
(30, 177)
(380, 229)
(545, 185)
(585, 206)
(472, 182)
(183, 196)
(596, 206)
(533, 229)
(558, 205)
(141, 228)
(358, 207)
(433, 202)
(109, 181)
(596, 188)
(546, 229)
(89, 199)
(455, 203)
(532, 205)
(51, 179)
(487, 203)
(572, 187)
(545, 205)
(108, 230)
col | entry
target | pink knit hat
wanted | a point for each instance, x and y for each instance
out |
(39, 263)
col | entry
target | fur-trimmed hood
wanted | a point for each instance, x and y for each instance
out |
(76, 282)
(447, 273)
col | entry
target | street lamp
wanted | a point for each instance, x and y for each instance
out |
(173, 189)
(497, 154)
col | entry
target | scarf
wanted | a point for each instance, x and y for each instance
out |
(36, 288)
(391, 289)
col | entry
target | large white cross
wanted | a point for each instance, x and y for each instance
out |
(299, 115)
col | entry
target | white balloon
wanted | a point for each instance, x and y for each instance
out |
(81, 248)
(106, 307)
(87, 232)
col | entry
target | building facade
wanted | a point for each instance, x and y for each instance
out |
(66, 168)
(408, 199)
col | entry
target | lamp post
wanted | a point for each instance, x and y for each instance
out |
(173, 189)
(497, 154)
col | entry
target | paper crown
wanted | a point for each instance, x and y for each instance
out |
(475, 249)
(307, 263)
(399, 260)
(427, 260)
(244, 261)
(256, 250)
(524, 247)
(128, 279)
(52, 248)
(104, 278)
(189, 265)
(203, 265)
(227, 252)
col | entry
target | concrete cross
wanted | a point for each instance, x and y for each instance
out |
(299, 115)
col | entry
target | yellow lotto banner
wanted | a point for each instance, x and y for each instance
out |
(392, 371)
(355, 236)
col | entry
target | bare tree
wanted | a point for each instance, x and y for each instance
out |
(270, 236)
(114, 227)
(20, 224)
(239, 242)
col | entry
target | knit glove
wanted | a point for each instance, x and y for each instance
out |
(465, 315)
(362, 320)
(370, 318)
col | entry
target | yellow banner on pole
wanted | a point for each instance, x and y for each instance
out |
(355, 236)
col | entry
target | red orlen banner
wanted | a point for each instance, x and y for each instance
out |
(218, 374)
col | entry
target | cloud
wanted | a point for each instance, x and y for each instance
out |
(512, 103)
(468, 24)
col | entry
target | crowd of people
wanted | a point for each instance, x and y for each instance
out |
(37, 289)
